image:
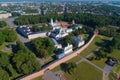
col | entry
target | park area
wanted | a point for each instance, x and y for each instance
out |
(96, 43)
(84, 71)
(101, 63)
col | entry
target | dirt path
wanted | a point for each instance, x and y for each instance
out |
(105, 76)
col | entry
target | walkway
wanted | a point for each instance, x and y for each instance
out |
(49, 75)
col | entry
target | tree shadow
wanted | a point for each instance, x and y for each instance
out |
(98, 44)
(20, 33)
(104, 43)
(29, 46)
(63, 67)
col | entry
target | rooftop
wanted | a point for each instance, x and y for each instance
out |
(77, 39)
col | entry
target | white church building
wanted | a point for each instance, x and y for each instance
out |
(57, 31)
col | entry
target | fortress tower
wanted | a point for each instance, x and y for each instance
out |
(96, 32)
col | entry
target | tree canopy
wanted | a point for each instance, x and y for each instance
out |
(43, 47)
(2, 24)
(7, 35)
(116, 41)
(18, 63)
(69, 67)
(86, 19)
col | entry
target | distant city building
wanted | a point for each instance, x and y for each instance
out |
(78, 42)
(4, 4)
(5, 15)
(29, 13)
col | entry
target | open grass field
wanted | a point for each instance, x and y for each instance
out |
(3, 45)
(115, 54)
(39, 78)
(98, 40)
(101, 63)
(93, 46)
(84, 72)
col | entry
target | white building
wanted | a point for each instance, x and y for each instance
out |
(78, 42)
(5, 15)
(52, 23)
(68, 49)
(78, 26)
(58, 33)
(4, 4)
(56, 45)
(69, 30)
(27, 32)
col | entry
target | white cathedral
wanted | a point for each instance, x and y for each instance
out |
(57, 31)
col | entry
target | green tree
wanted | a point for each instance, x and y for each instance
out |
(24, 61)
(36, 28)
(3, 74)
(114, 75)
(43, 46)
(2, 24)
(66, 40)
(71, 67)
(2, 38)
(116, 42)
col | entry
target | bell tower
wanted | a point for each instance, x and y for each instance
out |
(52, 23)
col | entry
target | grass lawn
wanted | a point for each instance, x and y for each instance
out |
(115, 54)
(56, 69)
(90, 48)
(38, 78)
(93, 45)
(3, 45)
(84, 72)
(85, 36)
(101, 63)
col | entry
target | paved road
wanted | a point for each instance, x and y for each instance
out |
(60, 76)
(108, 69)
(22, 39)
(49, 75)
(9, 22)
(105, 76)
